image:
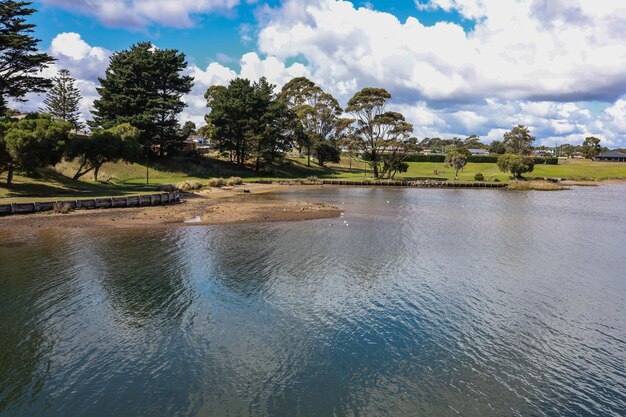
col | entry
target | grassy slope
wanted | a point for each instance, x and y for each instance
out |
(126, 179)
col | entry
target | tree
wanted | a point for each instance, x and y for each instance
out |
(34, 142)
(591, 147)
(457, 159)
(317, 111)
(325, 152)
(249, 121)
(144, 86)
(111, 145)
(473, 142)
(516, 164)
(518, 140)
(20, 61)
(497, 147)
(63, 99)
(376, 131)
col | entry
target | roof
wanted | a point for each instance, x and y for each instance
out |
(612, 154)
(478, 151)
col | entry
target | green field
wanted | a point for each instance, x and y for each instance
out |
(128, 179)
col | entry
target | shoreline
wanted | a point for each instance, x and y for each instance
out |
(214, 206)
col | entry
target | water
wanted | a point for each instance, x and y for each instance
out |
(438, 303)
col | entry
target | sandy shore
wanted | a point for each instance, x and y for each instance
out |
(229, 205)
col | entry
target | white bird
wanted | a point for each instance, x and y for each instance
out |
(387, 201)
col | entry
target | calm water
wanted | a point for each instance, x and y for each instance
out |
(429, 303)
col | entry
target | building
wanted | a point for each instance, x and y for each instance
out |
(611, 156)
(479, 152)
(543, 152)
(577, 155)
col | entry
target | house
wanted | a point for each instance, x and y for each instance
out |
(543, 152)
(611, 156)
(577, 155)
(479, 152)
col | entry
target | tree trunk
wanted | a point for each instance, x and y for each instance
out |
(10, 176)
(308, 152)
(95, 172)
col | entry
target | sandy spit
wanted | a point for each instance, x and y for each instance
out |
(250, 203)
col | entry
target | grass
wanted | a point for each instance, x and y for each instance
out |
(129, 179)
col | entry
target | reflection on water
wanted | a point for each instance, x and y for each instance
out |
(429, 302)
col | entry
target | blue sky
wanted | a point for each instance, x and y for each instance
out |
(454, 67)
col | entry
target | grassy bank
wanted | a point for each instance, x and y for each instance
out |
(129, 179)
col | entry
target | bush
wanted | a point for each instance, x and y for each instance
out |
(479, 177)
(234, 181)
(186, 186)
(166, 187)
(61, 208)
(516, 164)
(217, 182)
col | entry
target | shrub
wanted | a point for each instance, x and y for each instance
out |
(479, 177)
(61, 208)
(234, 181)
(188, 186)
(166, 187)
(217, 182)
(516, 164)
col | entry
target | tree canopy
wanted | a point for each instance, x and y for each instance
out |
(591, 147)
(20, 61)
(63, 99)
(516, 164)
(518, 140)
(144, 86)
(457, 159)
(381, 135)
(318, 113)
(34, 142)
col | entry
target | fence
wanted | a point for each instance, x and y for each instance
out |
(112, 202)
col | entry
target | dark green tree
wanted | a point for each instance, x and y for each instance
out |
(20, 61)
(34, 142)
(188, 129)
(497, 147)
(516, 164)
(457, 159)
(63, 99)
(102, 146)
(325, 152)
(144, 86)
(591, 147)
(518, 140)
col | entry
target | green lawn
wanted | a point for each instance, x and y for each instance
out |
(129, 179)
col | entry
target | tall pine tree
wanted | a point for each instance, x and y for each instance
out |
(143, 86)
(19, 59)
(63, 99)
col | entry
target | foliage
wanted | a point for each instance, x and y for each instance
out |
(383, 136)
(111, 145)
(234, 181)
(217, 182)
(497, 147)
(479, 177)
(518, 140)
(188, 129)
(591, 147)
(325, 152)
(63, 99)
(457, 159)
(249, 120)
(317, 111)
(516, 164)
(20, 60)
(143, 86)
(34, 142)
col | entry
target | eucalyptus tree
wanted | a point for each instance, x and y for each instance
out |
(518, 140)
(144, 86)
(20, 60)
(318, 113)
(591, 147)
(516, 164)
(378, 132)
(63, 99)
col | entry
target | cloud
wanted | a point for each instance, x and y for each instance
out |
(136, 14)
(519, 50)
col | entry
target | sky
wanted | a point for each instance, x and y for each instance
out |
(453, 67)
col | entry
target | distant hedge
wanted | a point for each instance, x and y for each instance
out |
(479, 159)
